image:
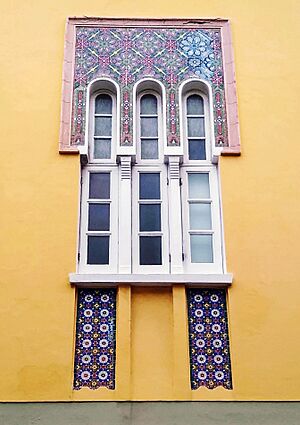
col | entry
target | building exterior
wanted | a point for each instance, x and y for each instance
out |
(150, 212)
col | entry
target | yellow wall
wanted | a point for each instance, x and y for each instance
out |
(39, 212)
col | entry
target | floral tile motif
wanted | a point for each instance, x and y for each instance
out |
(208, 338)
(95, 339)
(168, 55)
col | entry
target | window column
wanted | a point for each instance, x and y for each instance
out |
(125, 216)
(175, 224)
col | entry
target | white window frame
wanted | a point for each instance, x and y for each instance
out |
(159, 127)
(207, 128)
(83, 267)
(164, 233)
(217, 265)
(202, 89)
(91, 127)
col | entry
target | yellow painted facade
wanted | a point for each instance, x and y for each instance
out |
(39, 217)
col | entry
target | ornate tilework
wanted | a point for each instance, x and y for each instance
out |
(208, 337)
(95, 339)
(129, 54)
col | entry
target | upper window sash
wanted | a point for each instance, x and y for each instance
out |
(149, 127)
(103, 127)
(99, 220)
(196, 128)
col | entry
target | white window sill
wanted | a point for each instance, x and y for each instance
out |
(110, 280)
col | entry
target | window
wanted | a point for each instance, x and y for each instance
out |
(200, 188)
(201, 220)
(102, 126)
(99, 217)
(150, 204)
(149, 126)
(158, 207)
(195, 127)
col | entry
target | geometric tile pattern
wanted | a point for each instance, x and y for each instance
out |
(208, 339)
(95, 350)
(127, 55)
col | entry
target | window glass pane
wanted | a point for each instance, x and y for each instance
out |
(149, 127)
(195, 105)
(200, 216)
(103, 126)
(201, 249)
(197, 150)
(198, 185)
(150, 250)
(150, 218)
(149, 186)
(102, 148)
(98, 250)
(149, 149)
(103, 104)
(148, 104)
(99, 185)
(196, 127)
(99, 216)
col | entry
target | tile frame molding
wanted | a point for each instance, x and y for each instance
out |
(65, 147)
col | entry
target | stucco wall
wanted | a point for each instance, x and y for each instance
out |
(39, 214)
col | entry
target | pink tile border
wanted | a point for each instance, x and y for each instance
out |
(65, 147)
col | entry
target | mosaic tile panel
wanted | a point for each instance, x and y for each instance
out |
(127, 55)
(95, 350)
(208, 339)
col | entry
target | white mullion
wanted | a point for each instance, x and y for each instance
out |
(103, 115)
(99, 201)
(199, 201)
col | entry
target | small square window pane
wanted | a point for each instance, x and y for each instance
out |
(150, 218)
(200, 216)
(195, 105)
(148, 104)
(201, 249)
(99, 186)
(149, 149)
(196, 127)
(149, 186)
(199, 185)
(102, 148)
(197, 149)
(149, 127)
(103, 104)
(150, 250)
(98, 250)
(103, 126)
(99, 216)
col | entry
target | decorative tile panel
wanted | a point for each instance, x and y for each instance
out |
(127, 55)
(95, 350)
(208, 338)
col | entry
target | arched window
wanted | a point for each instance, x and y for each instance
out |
(103, 117)
(150, 207)
(149, 123)
(195, 127)
(200, 187)
(102, 126)
(99, 196)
